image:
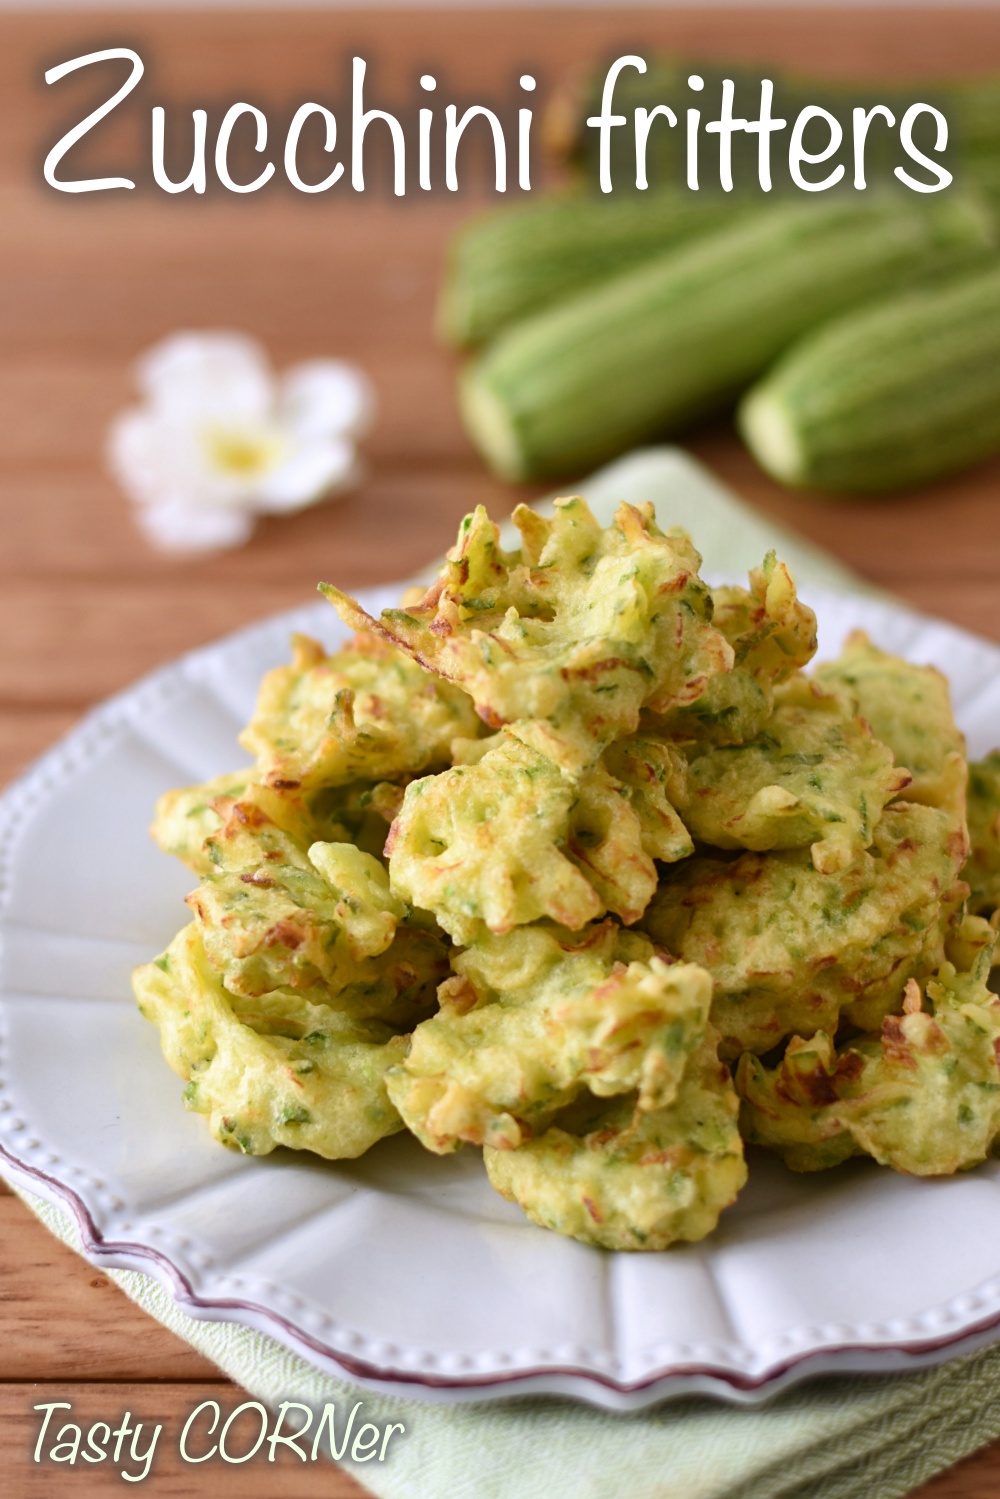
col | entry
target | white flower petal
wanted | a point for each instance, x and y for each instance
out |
(326, 397)
(157, 459)
(313, 469)
(186, 529)
(218, 438)
(133, 457)
(222, 375)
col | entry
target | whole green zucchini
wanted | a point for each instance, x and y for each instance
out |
(683, 334)
(505, 265)
(894, 394)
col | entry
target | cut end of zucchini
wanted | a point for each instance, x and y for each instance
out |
(770, 434)
(489, 424)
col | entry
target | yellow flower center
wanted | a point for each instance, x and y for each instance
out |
(242, 453)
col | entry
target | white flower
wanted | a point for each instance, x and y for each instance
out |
(219, 440)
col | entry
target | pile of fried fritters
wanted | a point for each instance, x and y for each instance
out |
(539, 857)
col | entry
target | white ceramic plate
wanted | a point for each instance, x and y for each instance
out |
(403, 1269)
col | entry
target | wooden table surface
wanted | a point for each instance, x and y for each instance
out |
(87, 282)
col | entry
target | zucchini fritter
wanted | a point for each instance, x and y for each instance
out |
(281, 1069)
(187, 817)
(614, 1175)
(358, 813)
(983, 868)
(909, 709)
(814, 776)
(366, 712)
(922, 1097)
(275, 914)
(790, 949)
(772, 635)
(652, 774)
(510, 839)
(569, 636)
(533, 1018)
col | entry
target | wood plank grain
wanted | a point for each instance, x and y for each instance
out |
(79, 641)
(289, 300)
(59, 515)
(56, 408)
(104, 1336)
(977, 1477)
(167, 1405)
(61, 527)
(300, 53)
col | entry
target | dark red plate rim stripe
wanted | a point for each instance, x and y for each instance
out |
(96, 1245)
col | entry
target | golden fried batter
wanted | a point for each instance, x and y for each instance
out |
(569, 636)
(282, 1069)
(652, 773)
(185, 818)
(510, 839)
(358, 813)
(772, 635)
(814, 776)
(790, 950)
(366, 712)
(533, 1018)
(613, 1175)
(983, 868)
(275, 914)
(909, 709)
(922, 1097)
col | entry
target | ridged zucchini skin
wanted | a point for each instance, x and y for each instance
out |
(892, 395)
(504, 266)
(682, 335)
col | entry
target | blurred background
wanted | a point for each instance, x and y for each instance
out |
(87, 282)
